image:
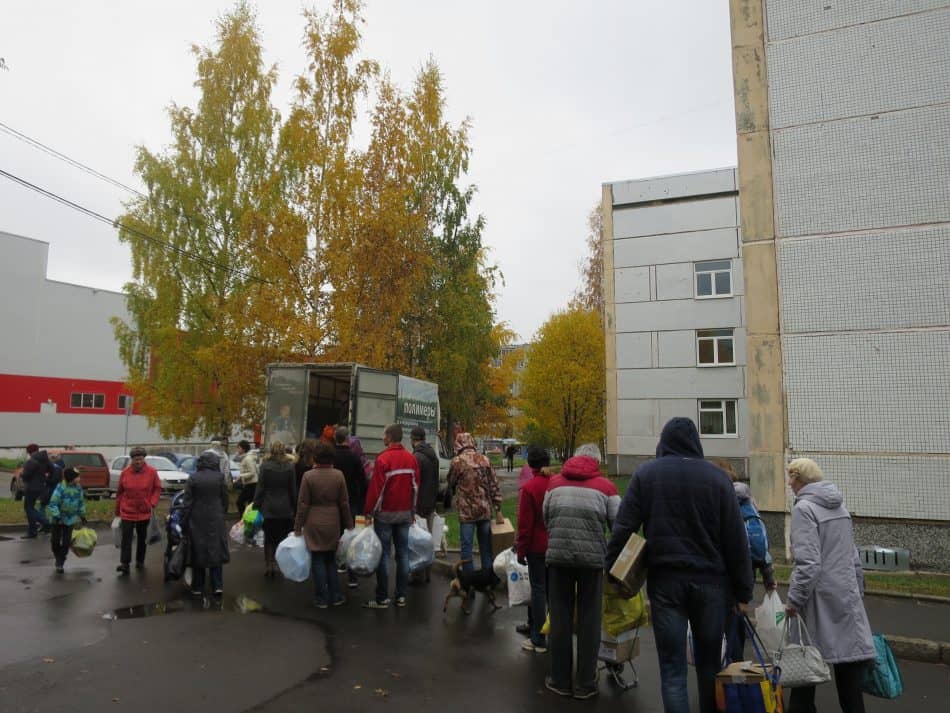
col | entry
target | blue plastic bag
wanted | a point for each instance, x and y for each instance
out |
(883, 679)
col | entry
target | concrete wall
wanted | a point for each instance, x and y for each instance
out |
(657, 229)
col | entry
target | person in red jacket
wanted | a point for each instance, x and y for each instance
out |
(138, 493)
(531, 544)
(391, 502)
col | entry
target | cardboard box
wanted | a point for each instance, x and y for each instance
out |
(742, 672)
(618, 649)
(630, 568)
(502, 536)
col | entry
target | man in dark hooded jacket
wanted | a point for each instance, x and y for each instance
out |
(35, 472)
(428, 482)
(697, 557)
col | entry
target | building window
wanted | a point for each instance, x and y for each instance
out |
(714, 279)
(84, 400)
(715, 347)
(124, 400)
(717, 417)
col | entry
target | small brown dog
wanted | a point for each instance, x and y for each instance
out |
(466, 584)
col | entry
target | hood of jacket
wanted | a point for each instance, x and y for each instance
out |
(742, 492)
(580, 468)
(679, 438)
(209, 460)
(426, 449)
(41, 456)
(822, 493)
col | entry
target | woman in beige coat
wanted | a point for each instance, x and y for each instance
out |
(323, 512)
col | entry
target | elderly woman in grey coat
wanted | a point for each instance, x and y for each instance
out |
(826, 588)
(206, 501)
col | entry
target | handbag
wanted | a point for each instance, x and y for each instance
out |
(883, 678)
(800, 664)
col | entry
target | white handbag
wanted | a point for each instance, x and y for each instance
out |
(800, 664)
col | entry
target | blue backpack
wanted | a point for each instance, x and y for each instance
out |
(755, 529)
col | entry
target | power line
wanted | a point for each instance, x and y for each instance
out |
(135, 231)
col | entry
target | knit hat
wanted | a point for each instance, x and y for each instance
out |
(32, 448)
(70, 474)
(137, 451)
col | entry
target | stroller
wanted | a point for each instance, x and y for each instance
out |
(175, 561)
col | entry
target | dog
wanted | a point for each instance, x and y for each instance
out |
(465, 584)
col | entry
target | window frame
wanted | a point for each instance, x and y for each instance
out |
(712, 272)
(723, 409)
(91, 397)
(715, 339)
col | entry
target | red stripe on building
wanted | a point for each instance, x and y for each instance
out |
(26, 394)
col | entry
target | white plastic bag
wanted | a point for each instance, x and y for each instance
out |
(500, 565)
(237, 533)
(364, 552)
(519, 586)
(690, 655)
(116, 527)
(259, 539)
(345, 539)
(770, 622)
(420, 521)
(438, 532)
(293, 558)
(421, 551)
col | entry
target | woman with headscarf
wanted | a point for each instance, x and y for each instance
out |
(206, 502)
(826, 586)
(476, 488)
(276, 499)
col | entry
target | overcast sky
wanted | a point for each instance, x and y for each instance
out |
(563, 96)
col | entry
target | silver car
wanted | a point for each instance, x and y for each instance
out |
(172, 479)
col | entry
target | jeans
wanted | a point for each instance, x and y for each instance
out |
(538, 607)
(141, 540)
(326, 584)
(198, 578)
(398, 536)
(60, 539)
(34, 515)
(574, 591)
(674, 602)
(847, 681)
(467, 532)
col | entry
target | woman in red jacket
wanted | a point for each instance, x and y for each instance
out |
(138, 493)
(531, 544)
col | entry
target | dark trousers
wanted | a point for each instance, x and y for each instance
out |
(538, 607)
(34, 515)
(326, 584)
(674, 602)
(847, 681)
(141, 540)
(61, 537)
(198, 578)
(246, 497)
(574, 591)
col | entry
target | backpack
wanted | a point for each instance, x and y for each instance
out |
(755, 529)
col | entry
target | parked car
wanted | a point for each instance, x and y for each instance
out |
(172, 479)
(190, 464)
(16, 485)
(91, 465)
(175, 458)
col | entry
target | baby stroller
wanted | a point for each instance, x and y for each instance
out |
(175, 561)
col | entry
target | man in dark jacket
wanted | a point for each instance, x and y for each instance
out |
(428, 479)
(697, 557)
(35, 472)
(348, 463)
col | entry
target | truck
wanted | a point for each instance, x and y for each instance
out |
(303, 398)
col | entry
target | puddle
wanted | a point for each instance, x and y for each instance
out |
(240, 604)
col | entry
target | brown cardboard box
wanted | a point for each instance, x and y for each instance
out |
(618, 649)
(741, 672)
(630, 568)
(502, 536)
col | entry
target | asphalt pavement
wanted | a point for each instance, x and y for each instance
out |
(89, 640)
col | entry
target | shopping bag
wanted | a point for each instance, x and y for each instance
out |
(345, 539)
(438, 532)
(178, 561)
(519, 586)
(500, 564)
(420, 521)
(364, 552)
(154, 529)
(741, 688)
(769, 621)
(691, 654)
(237, 533)
(619, 614)
(116, 528)
(421, 551)
(253, 521)
(800, 664)
(293, 558)
(883, 678)
(83, 541)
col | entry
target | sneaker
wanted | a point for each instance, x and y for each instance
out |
(59, 569)
(353, 585)
(29, 536)
(196, 592)
(536, 648)
(320, 605)
(341, 570)
(339, 602)
(219, 592)
(400, 601)
(582, 694)
(523, 629)
(549, 684)
(373, 604)
(123, 568)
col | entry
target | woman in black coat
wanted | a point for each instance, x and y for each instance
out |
(276, 499)
(206, 500)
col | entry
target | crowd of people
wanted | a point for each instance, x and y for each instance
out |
(572, 526)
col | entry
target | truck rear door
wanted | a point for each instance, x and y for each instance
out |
(375, 406)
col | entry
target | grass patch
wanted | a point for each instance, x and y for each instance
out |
(935, 585)
(10, 464)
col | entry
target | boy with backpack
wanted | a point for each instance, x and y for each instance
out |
(67, 506)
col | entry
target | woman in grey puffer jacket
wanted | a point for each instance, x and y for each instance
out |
(827, 586)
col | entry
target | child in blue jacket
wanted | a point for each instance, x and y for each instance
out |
(67, 506)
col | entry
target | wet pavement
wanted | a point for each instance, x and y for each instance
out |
(90, 640)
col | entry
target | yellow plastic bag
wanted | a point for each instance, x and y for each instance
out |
(619, 615)
(83, 541)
